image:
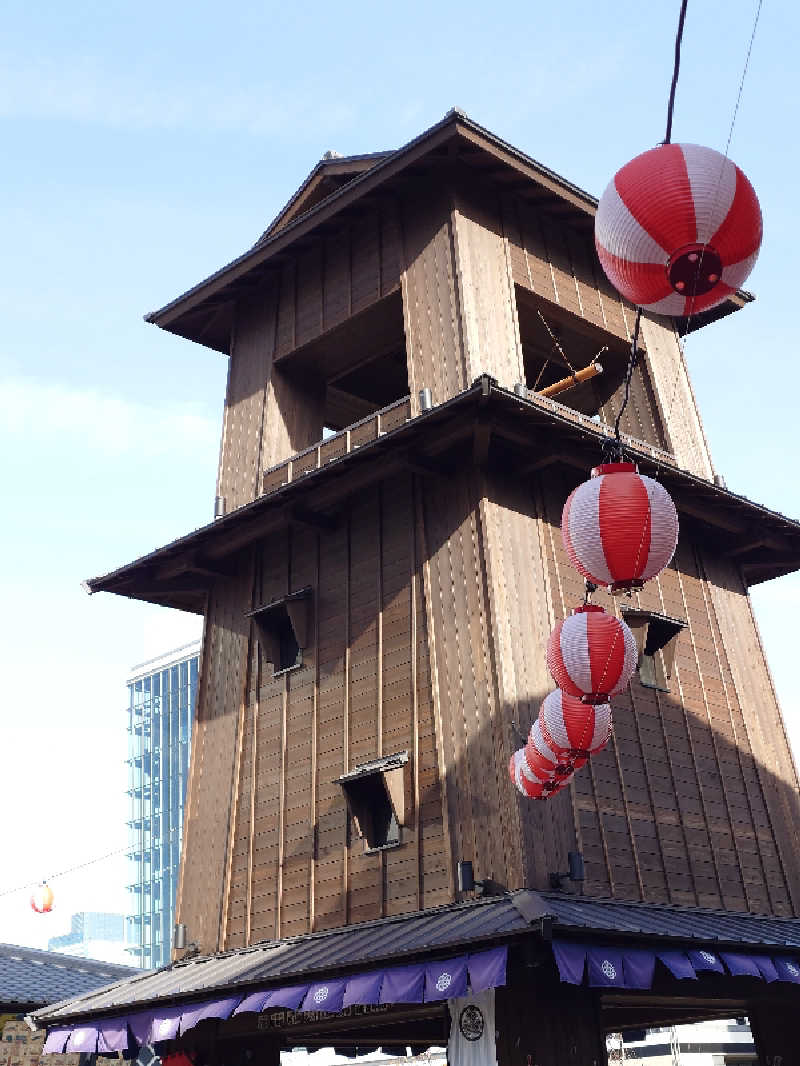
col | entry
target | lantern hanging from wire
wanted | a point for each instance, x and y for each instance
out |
(42, 898)
(530, 784)
(620, 528)
(591, 654)
(573, 729)
(542, 759)
(678, 229)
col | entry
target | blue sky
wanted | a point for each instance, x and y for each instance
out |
(143, 146)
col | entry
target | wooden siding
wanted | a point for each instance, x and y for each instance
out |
(206, 844)
(364, 689)
(674, 395)
(676, 809)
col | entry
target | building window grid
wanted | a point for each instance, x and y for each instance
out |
(159, 727)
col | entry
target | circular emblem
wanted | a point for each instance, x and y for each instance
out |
(708, 957)
(793, 970)
(164, 1026)
(321, 994)
(80, 1038)
(443, 982)
(609, 970)
(471, 1023)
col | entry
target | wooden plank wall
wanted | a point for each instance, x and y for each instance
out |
(268, 416)
(214, 753)
(475, 743)
(677, 809)
(364, 689)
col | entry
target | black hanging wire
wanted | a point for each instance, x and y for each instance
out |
(614, 450)
(675, 71)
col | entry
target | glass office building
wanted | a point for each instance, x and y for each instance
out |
(161, 696)
(93, 935)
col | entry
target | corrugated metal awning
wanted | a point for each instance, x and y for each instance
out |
(424, 934)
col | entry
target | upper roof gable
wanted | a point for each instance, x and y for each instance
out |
(330, 174)
(205, 312)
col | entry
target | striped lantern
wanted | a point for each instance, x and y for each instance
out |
(42, 898)
(528, 783)
(573, 729)
(591, 654)
(620, 528)
(678, 229)
(543, 760)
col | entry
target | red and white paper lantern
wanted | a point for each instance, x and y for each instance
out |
(591, 654)
(543, 760)
(529, 784)
(42, 899)
(678, 229)
(573, 729)
(620, 528)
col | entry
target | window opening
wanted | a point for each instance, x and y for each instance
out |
(378, 795)
(283, 628)
(656, 638)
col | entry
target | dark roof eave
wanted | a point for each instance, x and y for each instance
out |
(484, 391)
(454, 122)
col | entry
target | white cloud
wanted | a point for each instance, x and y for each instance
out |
(83, 90)
(102, 421)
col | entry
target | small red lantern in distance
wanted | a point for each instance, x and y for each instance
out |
(591, 654)
(42, 899)
(573, 729)
(620, 528)
(678, 229)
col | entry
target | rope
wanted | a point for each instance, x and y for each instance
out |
(615, 451)
(675, 71)
(553, 338)
(63, 873)
(688, 322)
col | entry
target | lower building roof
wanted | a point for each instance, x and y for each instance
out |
(30, 977)
(473, 924)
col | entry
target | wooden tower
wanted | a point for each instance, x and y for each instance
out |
(388, 566)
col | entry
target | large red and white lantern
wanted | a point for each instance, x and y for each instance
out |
(42, 899)
(678, 229)
(573, 729)
(544, 761)
(591, 654)
(620, 528)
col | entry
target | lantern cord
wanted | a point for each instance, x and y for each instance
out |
(684, 332)
(558, 347)
(62, 873)
(617, 450)
(675, 72)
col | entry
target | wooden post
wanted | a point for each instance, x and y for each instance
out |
(557, 1027)
(774, 1029)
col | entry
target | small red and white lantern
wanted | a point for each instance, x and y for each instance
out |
(543, 760)
(530, 784)
(678, 229)
(42, 899)
(620, 528)
(591, 654)
(573, 729)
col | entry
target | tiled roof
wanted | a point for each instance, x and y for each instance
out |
(29, 977)
(422, 933)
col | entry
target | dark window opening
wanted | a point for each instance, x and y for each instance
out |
(360, 364)
(377, 796)
(656, 638)
(575, 344)
(283, 628)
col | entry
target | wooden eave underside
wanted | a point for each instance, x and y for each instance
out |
(505, 431)
(205, 312)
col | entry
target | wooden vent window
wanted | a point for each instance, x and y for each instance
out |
(378, 795)
(656, 637)
(284, 629)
